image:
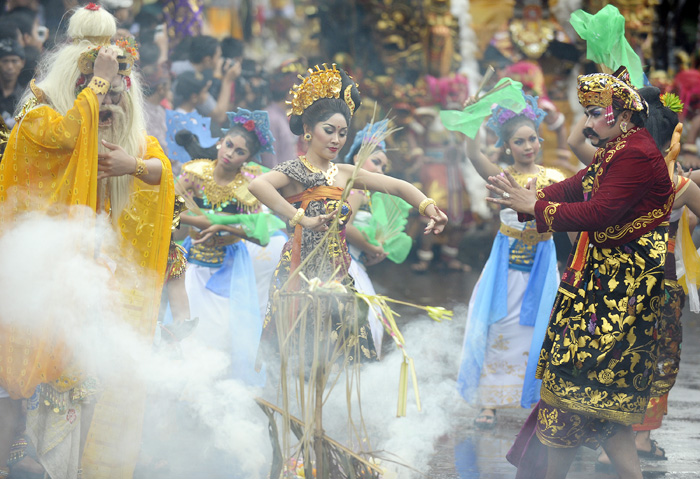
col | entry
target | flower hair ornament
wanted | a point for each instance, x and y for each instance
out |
(371, 133)
(321, 83)
(500, 115)
(128, 54)
(256, 121)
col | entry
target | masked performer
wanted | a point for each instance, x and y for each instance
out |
(307, 190)
(82, 124)
(599, 354)
(221, 280)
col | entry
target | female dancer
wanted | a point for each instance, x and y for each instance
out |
(510, 305)
(363, 252)
(307, 190)
(220, 278)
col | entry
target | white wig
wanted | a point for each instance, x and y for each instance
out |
(57, 75)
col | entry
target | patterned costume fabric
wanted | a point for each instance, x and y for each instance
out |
(500, 334)
(44, 147)
(331, 264)
(670, 330)
(599, 354)
(220, 280)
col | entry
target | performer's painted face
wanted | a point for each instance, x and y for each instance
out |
(596, 128)
(377, 162)
(112, 111)
(233, 152)
(524, 144)
(328, 137)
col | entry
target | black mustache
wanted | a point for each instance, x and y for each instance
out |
(589, 132)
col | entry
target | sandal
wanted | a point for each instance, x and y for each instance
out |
(424, 260)
(653, 453)
(485, 421)
(456, 265)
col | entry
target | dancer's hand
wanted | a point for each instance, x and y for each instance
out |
(374, 254)
(207, 233)
(511, 195)
(318, 223)
(106, 64)
(437, 222)
(116, 162)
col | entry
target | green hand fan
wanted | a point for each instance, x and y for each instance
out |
(387, 224)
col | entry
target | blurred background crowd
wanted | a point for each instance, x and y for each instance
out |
(411, 59)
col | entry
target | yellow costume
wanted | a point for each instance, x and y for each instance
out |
(50, 163)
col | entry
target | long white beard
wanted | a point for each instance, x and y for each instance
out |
(118, 188)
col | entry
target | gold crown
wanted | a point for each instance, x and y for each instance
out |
(321, 83)
(596, 98)
(598, 89)
(126, 58)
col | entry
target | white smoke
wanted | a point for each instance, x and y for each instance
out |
(409, 440)
(198, 421)
(55, 277)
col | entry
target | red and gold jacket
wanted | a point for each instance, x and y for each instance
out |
(625, 193)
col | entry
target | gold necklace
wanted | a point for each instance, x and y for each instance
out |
(329, 174)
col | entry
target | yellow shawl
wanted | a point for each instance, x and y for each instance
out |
(50, 163)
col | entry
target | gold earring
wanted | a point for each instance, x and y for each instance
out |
(307, 136)
(508, 152)
(623, 126)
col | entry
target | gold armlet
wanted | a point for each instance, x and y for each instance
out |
(424, 204)
(99, 85)
(297, 217)
(141, 168)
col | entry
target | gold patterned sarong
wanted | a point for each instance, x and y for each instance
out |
(599, 353)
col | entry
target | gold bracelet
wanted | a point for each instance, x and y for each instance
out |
(424, 204)
(297, 217)
(99, 85)
(141, 168)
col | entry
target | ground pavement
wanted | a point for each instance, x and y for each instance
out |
(468, 453)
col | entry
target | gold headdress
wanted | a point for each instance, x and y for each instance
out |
(126, 58)
(600, 89)
(321, 83)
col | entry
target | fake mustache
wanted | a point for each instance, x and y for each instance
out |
(590, 132)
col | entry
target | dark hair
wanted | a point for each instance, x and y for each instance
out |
(324, 108)
(7, 28)
(661, 120)
(182, 50)
(149, 53)
(231, 48)
(202, 47)
(188, 84)
(511, 125)
(190, 142)
(251, 139)
(23, 18)
(639, 118)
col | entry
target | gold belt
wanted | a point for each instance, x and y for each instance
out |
(215, 241)
(529, 236)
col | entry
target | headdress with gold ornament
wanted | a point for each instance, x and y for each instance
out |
(321, 83)
(610, 91)
(127, 54)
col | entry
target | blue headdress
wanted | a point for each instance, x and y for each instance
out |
(500, 115)
(257, 121)
(370, 133)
